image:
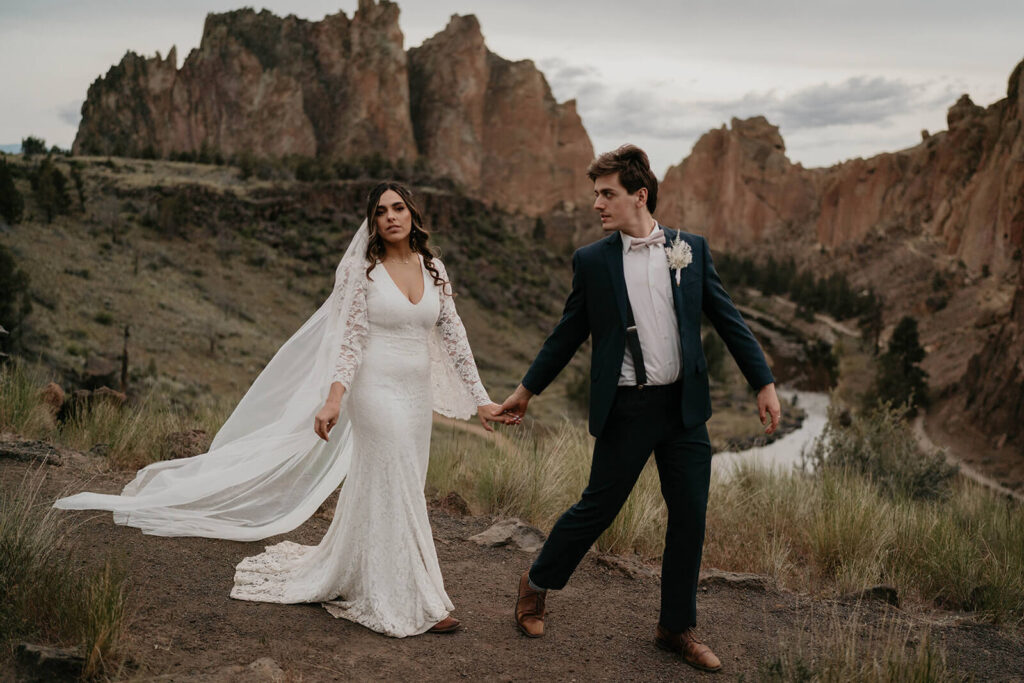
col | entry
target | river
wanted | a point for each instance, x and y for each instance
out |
(783, 454)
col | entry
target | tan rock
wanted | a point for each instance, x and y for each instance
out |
(264, 85)
(52, 396)
(493, 126)
(345, 89)
(964, 185)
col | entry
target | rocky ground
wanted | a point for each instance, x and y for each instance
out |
(184, 627)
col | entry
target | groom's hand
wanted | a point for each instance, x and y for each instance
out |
(515, 405)
(768, 405)
(492, 413)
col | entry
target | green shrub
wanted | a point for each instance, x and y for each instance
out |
(12, 205)
(15, 300)
(50, 188)
(32, 146)
(900, 379)
(880, 445)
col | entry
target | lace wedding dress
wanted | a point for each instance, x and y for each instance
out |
(266, 471)
(376, 565)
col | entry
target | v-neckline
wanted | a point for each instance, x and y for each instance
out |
(399, 289)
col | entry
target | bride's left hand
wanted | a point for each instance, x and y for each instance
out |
(491, 413)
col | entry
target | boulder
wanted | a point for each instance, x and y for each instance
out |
(717, 577)
(52, 396)
(511, 532)
(44, 663)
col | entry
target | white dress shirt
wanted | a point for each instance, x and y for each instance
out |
(649, 287)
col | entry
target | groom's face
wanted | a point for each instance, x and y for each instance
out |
(617, 207)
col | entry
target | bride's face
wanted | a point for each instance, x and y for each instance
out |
(394, 221)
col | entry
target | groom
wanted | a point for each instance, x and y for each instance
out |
(639, 293)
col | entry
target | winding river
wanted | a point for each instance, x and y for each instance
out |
(783, 454)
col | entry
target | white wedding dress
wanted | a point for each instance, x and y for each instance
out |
(377, 565)
(266, 471)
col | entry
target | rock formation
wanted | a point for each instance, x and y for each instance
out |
(993, 384)
(965, 186)
(960, 191)
(264, 85)
(344, 89)
(738, 186)
(493, 125)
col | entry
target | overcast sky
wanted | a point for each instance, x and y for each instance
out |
(841, 78)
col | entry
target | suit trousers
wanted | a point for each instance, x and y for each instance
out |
(641, 421)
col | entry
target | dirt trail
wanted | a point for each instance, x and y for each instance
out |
(956, 457)
(599, 628)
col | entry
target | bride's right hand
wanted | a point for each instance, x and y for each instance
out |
(326, 419)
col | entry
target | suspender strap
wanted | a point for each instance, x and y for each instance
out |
(633, 342)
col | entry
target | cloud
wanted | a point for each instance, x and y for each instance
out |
(870, 112)
(70, 113)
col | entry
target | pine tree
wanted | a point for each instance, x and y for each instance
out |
(31, 146)
(900, 378)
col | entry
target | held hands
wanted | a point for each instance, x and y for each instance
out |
(768, 405)
(515, 405)
(492, 413)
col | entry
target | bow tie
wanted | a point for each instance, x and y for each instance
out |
(656, 238)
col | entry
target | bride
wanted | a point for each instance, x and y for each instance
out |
(385, 348)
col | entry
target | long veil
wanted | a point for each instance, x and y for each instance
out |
(266, 471)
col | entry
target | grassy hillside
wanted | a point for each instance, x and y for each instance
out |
(211, 273)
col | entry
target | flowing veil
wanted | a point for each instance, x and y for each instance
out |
(266, 471)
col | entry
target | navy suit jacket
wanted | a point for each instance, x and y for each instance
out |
(597, 307)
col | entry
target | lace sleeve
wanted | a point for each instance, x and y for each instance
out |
(453, 336)
(350, 352)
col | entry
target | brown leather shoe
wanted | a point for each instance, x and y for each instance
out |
(447, 625)
(530, 608)
(694, 652)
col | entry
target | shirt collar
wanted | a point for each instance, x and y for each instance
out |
(627, 241)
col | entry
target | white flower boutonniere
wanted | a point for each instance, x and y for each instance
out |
(679, 256)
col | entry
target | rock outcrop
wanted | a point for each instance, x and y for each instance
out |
(345, 89)
(262, 84)
(738, 186)
(493, 125)
(993, 384)
(965, 186)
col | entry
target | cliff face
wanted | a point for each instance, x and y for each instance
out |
(950, 209)
(965, 186)
(737, 187)
(493, 125)
(993, 384)
(345, 89)
(262, 84)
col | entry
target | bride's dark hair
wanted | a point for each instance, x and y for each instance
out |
(418, 236)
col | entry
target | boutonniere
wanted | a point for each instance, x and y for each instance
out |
(679, 255)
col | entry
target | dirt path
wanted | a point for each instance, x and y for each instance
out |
(956, 457)
(600, 627)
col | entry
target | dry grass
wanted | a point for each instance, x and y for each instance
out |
(45, 596)
(846, 650)
(832, 532)
(21, 409)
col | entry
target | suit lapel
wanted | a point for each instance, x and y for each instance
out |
(677, 291)
(613, 258)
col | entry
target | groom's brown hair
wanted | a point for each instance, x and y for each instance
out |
(634, 169)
